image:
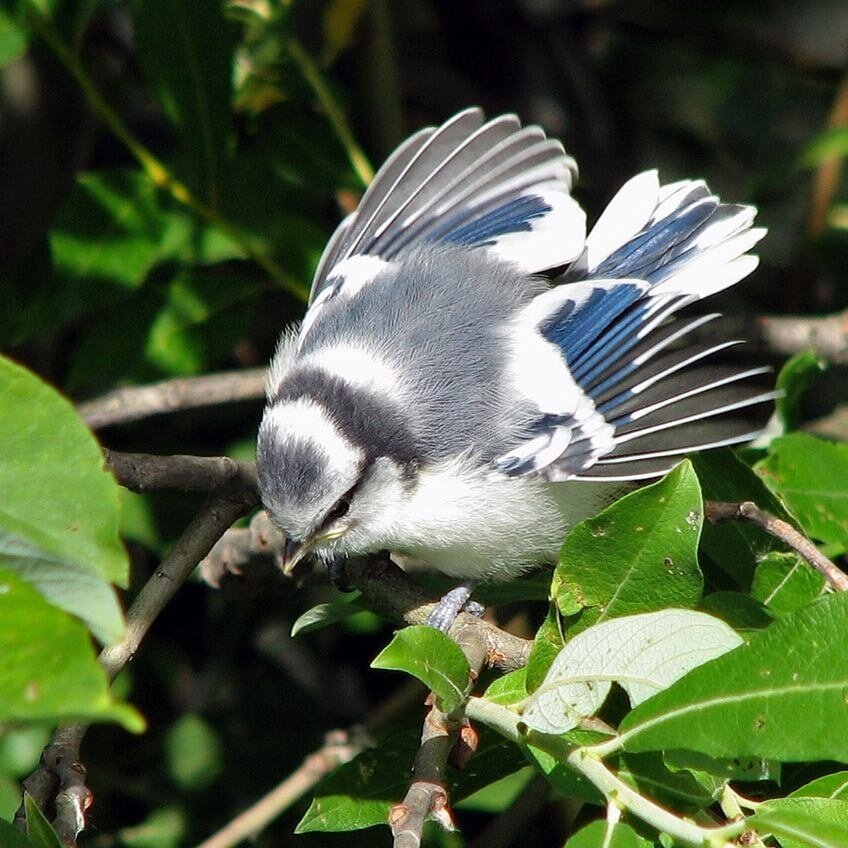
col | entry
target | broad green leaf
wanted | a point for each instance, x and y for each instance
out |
(323, 615)
(738, 609)
(509, 688)
(497, 796)
(48, 670)
(362, 792)
(39, 831)
(547, 644)
(813, 822)
(431, 656)
(811, 476)
(638, 554)
(20, 750)
(58, 505)
(735, 546)
(784, 582)
(603, 834)
(728, 768)
(829, 786)
(680, 789)
(187, 53)
(562, 777)
(13, 39)
(796, 376)
(748, 702)
(193, 753)
(642, 653)
(11, 837)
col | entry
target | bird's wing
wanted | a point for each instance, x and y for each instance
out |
(635, 396)
(491, 185)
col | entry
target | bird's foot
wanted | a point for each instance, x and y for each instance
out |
(452, 603)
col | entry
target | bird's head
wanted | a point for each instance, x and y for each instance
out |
(322, 490)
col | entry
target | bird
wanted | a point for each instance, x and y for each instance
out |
(475, 374)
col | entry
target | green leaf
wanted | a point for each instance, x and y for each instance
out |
(811, 476)
(188, 62)
(730, 768)
(509, 688)
(814, 822)
(602, 834)
(735, 546)
(361, 793)
(38, 828)
(11, 837)
(562, 777)
(748, 702)
(647, 543)
(784, 582)
(48, 670)
(431, 656)
(738, 609)
(13, 39)
(497, 796)
(323, 615)
(828, 786)
(58, 505)
(193, 753)
(642, 653)
(795, 378)
(680, 789)
(546, 645)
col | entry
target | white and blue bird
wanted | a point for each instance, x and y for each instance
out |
(475, 374)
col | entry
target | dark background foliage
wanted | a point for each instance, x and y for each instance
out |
(739, 93)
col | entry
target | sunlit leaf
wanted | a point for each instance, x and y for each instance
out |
(602, 834)
(811, 476)
(794, 379)
(749, 702)
(812, 822)
(643, 653)
(647, 543)
(431, 656)
(48, 669)
(784, 582)
(58, 505)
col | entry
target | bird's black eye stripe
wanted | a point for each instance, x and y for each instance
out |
(342, 505)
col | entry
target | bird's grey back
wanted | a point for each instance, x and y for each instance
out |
(439, 318)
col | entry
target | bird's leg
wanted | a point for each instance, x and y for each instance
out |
(451, 604)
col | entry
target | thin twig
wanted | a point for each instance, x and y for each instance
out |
(829, 172)
(137, 402)
(143, 472)
(333, 111)
(427, 797)
(339, 747)
(746, 510)
(386, 589)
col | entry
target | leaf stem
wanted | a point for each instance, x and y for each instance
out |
(161, 176)
(587, 761)
(334, 112)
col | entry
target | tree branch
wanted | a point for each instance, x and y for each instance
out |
(136, 402)
(717, 511)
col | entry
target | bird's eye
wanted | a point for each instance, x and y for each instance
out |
(339, 510)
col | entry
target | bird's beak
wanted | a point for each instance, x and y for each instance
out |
(293, 553)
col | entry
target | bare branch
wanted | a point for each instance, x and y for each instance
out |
(386, 589)
(132, 404)
(142, 472)
(827, 335)
(746, 510)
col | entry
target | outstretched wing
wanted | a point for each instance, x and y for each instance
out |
(636, 396)
(495, 186)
